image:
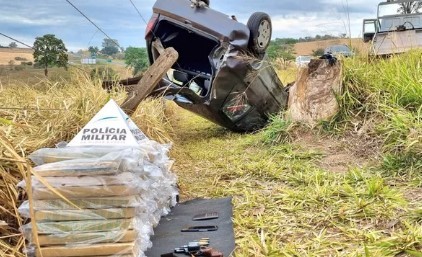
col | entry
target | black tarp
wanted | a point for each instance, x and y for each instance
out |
(168, 235)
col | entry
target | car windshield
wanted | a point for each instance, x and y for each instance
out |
(391, 15)
(401, 8)
(339, 49)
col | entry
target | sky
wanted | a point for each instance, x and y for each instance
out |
(25, 20)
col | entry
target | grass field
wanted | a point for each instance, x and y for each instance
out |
(352, 186)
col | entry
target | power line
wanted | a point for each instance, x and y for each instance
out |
(89, 43)
(15, 40)
(142, 17)
(86, 17)
(32, 109)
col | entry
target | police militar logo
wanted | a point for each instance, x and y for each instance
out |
(109, 127)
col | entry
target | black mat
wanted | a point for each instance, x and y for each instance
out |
(168, 235)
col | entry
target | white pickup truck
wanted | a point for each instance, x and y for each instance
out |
(397, 29)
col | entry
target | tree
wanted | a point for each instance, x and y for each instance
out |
(110, 46)
(410, 7)
(136, 58)
(93, 50)
(13, 45)
(281, 48)
(50, 51)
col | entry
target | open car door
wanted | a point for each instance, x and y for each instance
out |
(370, 27)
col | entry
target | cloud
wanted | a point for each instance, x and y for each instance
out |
(26, 19)
(292, 26)
(292, 18)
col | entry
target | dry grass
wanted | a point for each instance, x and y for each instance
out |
(28, 76)
(287, 75)
(41, 115)
(11, 241)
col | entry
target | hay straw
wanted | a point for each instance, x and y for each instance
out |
(42, 115)
(11, 241)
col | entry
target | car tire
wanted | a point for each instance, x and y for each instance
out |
(260, 28)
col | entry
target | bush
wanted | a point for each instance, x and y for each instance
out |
(17, 58)
(280, 49)
(318, 52)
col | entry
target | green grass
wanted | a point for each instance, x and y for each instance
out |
(387, 95)
(392, 81)
(285, 204)
(279, 130)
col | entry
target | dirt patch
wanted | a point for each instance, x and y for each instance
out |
(413, 194)
(339, 154)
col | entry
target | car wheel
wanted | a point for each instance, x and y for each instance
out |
(260, 27)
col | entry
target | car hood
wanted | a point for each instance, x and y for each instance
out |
(212, 22)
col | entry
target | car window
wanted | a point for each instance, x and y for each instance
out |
(337, 49)
(370, 27)
(340, 49)
(303, 59)
(306, 58)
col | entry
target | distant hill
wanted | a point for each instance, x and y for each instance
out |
(12, 54)
(307, 48)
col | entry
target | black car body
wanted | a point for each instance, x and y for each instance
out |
(221, 74)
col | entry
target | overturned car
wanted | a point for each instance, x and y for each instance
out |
(222, 72)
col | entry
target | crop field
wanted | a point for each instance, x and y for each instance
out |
(351, 186)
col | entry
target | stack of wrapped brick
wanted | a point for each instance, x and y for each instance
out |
(97, 201)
